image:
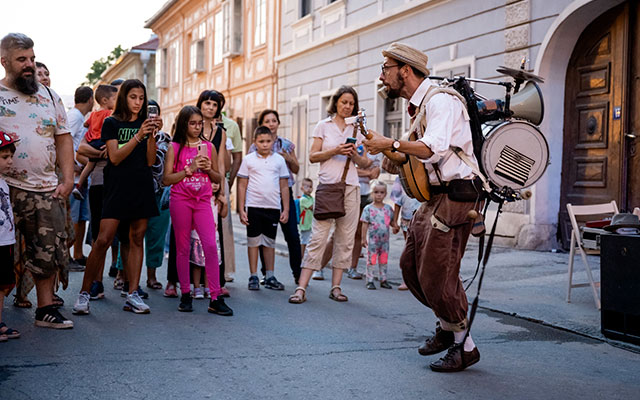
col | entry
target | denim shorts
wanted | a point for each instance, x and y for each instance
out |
(80, 208)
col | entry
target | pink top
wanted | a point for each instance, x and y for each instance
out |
(196, 186)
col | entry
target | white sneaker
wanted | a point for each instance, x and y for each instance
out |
(317, 276)
(198, 294)
(135, 304)
(81, 306)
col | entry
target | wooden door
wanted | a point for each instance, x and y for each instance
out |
(593, 152)
(632, 133)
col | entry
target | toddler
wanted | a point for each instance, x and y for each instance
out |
(376, 219)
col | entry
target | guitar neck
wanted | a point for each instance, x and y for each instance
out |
(391, 155)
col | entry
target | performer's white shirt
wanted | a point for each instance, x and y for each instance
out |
(446, 127)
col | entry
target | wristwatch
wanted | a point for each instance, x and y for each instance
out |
(395, 146)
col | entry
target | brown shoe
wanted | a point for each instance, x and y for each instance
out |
(456, 359)
(437, 343)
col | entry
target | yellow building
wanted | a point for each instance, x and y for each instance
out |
(226, 45)
(137, 63)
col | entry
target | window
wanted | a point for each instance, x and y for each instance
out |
(174, 55)
(232, 28)
(393, 113)
(260, 34)
(305, 7)
(217, 38)
(161, 65)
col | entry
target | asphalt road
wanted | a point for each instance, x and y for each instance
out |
(363, 349)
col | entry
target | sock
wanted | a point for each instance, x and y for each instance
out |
(468, 344)
(269, 274)
(458, 337)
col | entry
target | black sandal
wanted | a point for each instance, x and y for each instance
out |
(57, 301)
(8, 332)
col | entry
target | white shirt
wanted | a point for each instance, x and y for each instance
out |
(75, 121)
(264, 174)
(446, 127)
(331, 169)
(7, 228)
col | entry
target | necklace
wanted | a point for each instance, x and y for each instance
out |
(194, 143)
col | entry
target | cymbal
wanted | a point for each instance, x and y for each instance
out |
(520, 74)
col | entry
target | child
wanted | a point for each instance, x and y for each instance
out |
(262, 189)
(7, 233)
(219, 208)
(405, 206)
(191, 166)
(106, 96)
(376, 219)
(306, 213)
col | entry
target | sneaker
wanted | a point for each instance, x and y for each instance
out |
(97, 291)
(317, 276)
(385, 285)
(198, 294)
(50, 317)
(254, 283)
(77, 193)
(219, 307)
(229, 277)
(135, 304)
(113, 271)
(125, 291)
(186, 303)
(81, 306)
(353, 274)
(371, 286)
(207, 293)
(272, 283)
(72, 265)
(170, 291)
(142, 293)
(224, 292)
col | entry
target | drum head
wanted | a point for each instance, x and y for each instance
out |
(515, 154)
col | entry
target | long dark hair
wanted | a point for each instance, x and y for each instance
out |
(333, 109)
(121, 111)
(212, 95)
(181, 125)
(266, 112)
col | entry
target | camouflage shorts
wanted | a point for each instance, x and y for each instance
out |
(40, 220)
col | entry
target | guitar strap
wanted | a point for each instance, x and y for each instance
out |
(348, 163)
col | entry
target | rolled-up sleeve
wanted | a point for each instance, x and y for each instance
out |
(440, 117)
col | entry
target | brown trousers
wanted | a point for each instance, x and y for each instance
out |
(430, 262)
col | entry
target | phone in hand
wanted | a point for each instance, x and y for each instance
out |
(202, 149)
(152, 111)
(351, 140)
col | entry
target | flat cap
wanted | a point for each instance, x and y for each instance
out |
(408, 55)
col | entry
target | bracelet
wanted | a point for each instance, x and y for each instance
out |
(187, 170)
(136, 137)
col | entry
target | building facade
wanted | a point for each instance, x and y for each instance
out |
(137, 63)
(586, 50)
(226, 45)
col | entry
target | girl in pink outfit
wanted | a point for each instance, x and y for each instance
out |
(191, 166)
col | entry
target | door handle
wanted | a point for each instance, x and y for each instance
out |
(630, 135)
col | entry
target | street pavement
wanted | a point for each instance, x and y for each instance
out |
(533, 344)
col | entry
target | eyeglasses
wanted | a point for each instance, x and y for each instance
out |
(383, 67)
(195, 123)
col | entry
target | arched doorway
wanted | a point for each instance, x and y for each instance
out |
(597, 114)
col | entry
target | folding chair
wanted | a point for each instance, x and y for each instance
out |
(576, 243)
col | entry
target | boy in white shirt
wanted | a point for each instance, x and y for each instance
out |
(263, 197)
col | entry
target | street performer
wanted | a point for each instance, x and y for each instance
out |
(440, 228)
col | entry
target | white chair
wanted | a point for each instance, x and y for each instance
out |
(576, 243)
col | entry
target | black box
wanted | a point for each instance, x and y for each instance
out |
(620, 287)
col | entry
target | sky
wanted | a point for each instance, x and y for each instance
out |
(70, 34)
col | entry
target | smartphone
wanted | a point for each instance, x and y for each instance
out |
(351, 140)
(202, 150)
(153, 111)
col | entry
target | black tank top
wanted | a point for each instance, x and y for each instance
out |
(216, 140)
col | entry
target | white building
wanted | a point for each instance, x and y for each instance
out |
(588, 51)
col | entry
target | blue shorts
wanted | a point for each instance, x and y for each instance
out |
(80, 208)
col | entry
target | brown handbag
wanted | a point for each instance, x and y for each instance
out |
(330, 196)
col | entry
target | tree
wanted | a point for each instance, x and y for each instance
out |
(99, 66)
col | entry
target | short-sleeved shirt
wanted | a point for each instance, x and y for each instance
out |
(34, 119)
(332, 137)
(376, 161)
(306, 212)
(197, 186)
(7, 228)
(233, 133)
(279, 145)
(95, 121)
(407, 205)
(379, 220)
(75, 122)
(264, 174)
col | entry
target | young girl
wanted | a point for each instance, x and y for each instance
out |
(129, 198)
(220, 209)
(190, 166)
(376, 219)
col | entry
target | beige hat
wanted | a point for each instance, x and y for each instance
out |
(408, 55)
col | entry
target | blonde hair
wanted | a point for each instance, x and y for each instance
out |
(377, 183)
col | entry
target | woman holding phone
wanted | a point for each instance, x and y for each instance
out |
(129, 198)
(334, 145)
(190, 167)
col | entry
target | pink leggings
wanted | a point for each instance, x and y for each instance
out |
(186, 214)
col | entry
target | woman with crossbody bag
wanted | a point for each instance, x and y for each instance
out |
(334, 147)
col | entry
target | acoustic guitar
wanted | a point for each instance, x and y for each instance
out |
(413, 175)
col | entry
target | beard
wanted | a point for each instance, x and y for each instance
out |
(27, 85)
(394, 93)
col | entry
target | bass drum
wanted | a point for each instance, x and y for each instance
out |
(515, 154)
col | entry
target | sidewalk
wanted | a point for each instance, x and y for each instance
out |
(528, 284)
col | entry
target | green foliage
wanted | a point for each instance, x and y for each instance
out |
(99, 66)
